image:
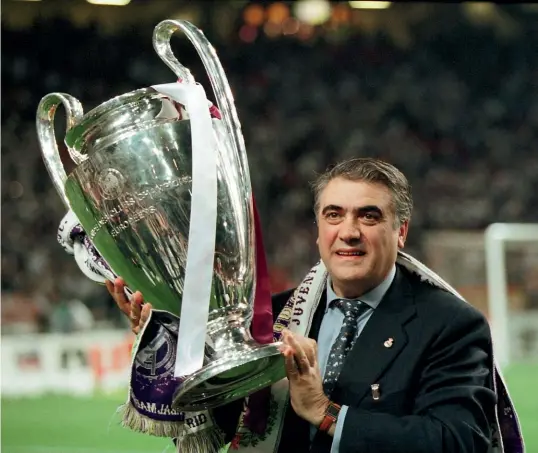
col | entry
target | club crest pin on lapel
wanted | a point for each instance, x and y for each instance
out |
(375, 392)
(388, 343)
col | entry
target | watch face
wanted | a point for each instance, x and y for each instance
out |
(333, 410)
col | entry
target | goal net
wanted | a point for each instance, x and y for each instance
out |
(497, 271)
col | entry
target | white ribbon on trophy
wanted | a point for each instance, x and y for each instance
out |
(202, 228)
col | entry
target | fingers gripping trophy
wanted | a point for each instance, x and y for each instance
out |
(162, 190)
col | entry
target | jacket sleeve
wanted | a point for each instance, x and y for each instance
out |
(455, 405)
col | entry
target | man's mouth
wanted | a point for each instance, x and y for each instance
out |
(350, 253)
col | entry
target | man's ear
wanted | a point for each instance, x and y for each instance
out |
(317, 226)
(402, 234)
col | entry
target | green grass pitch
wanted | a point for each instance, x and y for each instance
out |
(61, 424)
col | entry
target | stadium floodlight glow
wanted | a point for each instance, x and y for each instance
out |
(497, 235)
(369, 5)
(312, 12)
(109, 2)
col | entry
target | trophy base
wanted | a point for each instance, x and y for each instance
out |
(231, 378)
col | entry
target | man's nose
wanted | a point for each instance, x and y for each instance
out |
(350, 230)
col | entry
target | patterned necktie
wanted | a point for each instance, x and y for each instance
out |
(344, 342)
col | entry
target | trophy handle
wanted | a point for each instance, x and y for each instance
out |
(47, 138)
(219, 82)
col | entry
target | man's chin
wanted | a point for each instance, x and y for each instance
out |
(350, 276)
(351, 267)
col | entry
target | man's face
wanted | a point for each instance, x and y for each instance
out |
(357, 237)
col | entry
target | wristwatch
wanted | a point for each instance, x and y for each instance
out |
(331, 415)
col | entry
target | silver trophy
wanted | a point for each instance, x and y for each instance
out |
(132, 191)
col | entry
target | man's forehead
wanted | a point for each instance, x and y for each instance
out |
(352, 194)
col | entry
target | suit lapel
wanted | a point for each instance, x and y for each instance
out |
(374, 350)
(318, 316)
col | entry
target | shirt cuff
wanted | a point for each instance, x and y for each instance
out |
(338, 430)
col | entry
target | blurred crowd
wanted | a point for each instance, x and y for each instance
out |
(457, 112)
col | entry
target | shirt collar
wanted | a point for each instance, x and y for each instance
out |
(372, 297)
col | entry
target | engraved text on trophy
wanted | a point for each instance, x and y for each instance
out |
(133, 207)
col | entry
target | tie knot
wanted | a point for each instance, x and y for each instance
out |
(352, 309)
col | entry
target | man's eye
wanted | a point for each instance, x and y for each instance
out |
(371, 216)
(332, 215)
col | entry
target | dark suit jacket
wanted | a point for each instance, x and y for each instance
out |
(435, 382)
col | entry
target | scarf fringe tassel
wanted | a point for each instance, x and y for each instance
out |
(208, 440)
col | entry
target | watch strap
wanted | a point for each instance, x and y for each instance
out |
(331, 415)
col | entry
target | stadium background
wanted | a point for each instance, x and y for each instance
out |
(446, 92)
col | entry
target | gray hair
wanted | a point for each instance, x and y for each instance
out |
(373, 171)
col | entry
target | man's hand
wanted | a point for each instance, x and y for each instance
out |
(136, 310)
(306, 386)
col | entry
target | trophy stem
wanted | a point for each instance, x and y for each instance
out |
(246, 369)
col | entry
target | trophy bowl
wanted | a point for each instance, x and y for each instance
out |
(132, 191)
